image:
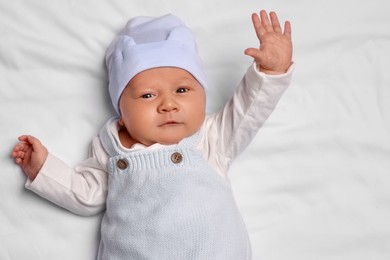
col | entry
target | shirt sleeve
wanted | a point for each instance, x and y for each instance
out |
(229, 131)
(82, 189)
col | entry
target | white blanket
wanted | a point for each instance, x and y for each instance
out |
(314, 184)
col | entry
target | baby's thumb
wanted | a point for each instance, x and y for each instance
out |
(254, 53)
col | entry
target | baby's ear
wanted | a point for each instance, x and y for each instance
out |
(121, 123)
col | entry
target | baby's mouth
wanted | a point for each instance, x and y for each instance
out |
(170, 123)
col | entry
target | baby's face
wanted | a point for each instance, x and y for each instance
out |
(162, 105)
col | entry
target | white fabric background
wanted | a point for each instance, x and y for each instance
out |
(314, 184)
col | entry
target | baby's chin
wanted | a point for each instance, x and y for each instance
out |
(171, 140)
(172, 137)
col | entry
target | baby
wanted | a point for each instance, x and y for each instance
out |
(159, 168)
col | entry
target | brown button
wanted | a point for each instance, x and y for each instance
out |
(176, 157)
(122, 164)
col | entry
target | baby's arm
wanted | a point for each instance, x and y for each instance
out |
(30, 154)
(233, 128)
(81, 190)
(275, 53)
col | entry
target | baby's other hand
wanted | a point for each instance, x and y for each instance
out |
(30, 155)
(275, 53)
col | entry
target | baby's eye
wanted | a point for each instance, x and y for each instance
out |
(148, 95)
(182, 90)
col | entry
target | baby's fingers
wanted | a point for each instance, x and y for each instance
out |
(287, 29)
(268, 23)
(23, 138)
(19, 152)
(275, 22)
(20, 147)
(31, 141)
(18, 157)
(259, 29)
(265, 22)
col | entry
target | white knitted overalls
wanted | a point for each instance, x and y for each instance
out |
(168, 204)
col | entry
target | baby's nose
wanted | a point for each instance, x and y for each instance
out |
(168, 105)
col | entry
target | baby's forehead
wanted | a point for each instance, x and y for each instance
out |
(166, 74)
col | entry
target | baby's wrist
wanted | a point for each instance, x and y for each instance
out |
(271, 72)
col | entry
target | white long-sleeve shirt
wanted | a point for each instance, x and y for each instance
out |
(83, 189)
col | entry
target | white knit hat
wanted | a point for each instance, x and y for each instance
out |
(146, 43)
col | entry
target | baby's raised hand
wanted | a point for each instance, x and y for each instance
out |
(275, 53)
(30, 155)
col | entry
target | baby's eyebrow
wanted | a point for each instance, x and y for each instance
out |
(137, 87)
(185, 79)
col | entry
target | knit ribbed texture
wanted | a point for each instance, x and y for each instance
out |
(159, 208)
